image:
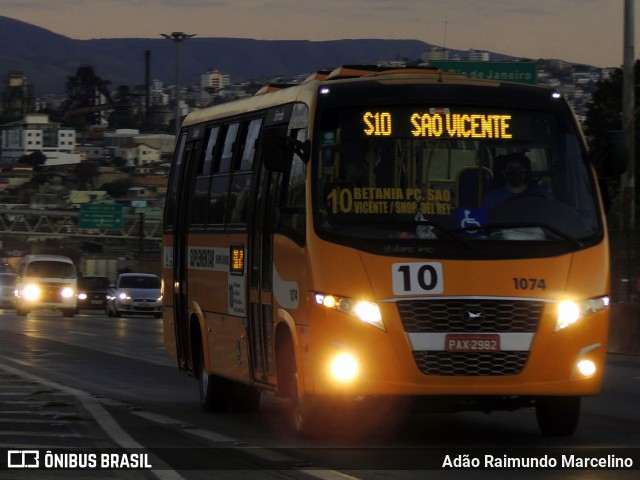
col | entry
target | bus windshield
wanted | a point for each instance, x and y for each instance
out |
(437, 173)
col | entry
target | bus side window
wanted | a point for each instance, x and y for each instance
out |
(241, 182)
(201, 192)
(174, 182)
(228, 148)
(291, 215)
(219, 191)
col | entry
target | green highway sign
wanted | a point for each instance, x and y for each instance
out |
(101, 216)
(519, 72)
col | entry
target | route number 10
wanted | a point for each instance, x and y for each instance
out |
(417, 278)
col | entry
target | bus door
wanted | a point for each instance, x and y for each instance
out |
(260, 321)
(180, 249)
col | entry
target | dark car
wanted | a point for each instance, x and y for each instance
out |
(7, 290)
(92, 293)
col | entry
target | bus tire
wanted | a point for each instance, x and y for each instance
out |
(214, 390)
(309, 413)
(557, 416)
(244, 398)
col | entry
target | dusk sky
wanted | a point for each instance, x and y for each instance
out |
(581, 31)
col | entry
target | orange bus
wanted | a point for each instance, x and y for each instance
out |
(378, 232)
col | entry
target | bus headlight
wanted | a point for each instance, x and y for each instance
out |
(82, 296)
(367, 312)
(67, 292)
(31, 292)
(570, 312)
(344, 367)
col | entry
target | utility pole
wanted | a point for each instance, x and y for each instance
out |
(178, 38)
(629, 126)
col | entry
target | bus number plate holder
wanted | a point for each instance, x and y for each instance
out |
(472, 342)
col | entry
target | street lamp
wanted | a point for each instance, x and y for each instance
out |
(178, 38)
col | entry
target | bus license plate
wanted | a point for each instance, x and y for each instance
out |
(472, 342)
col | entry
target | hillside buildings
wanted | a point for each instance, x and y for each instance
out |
(35, 133)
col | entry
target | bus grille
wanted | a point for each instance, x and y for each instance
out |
(470, 316)
(470, 364)
(452, 316)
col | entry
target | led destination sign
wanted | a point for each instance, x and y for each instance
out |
(438, 123)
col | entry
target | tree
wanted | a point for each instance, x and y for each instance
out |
(35, 159)
(118, 188)
(85, 172)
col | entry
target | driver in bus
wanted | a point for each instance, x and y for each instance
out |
(516, 175)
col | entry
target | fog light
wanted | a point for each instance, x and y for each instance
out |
(344, 367)
(586, 368)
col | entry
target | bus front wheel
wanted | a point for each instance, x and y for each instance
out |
(557, 416)
(214, 390)
(309, 413)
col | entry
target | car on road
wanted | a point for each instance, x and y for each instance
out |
(92, 292)
(135, 293)
(46, 282)
(7, 290)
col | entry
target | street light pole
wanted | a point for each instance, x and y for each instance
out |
(178, 38)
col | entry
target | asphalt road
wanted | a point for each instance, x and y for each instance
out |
(107, 383)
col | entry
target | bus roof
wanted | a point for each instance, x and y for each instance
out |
(282, 93)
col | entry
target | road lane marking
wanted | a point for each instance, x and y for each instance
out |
(76, 332)
(99, 414)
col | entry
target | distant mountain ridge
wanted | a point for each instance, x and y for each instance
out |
(47, 58)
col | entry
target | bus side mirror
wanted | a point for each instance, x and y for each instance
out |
(277, 149)
(612, 157)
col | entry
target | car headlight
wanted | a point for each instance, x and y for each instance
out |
(570, 312)
(82, 296)
(67, 292)
(365, 311)
(31, 292)
(123, 296)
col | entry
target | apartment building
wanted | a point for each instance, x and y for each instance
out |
(36, 133)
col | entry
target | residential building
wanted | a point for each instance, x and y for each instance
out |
(35, 133)
(213, 81)
(138, 154)
(18, 98)
(436, 53)
(478, 55)
(165, 143)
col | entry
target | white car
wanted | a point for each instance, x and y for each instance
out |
(135, 293)
(46, 282)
